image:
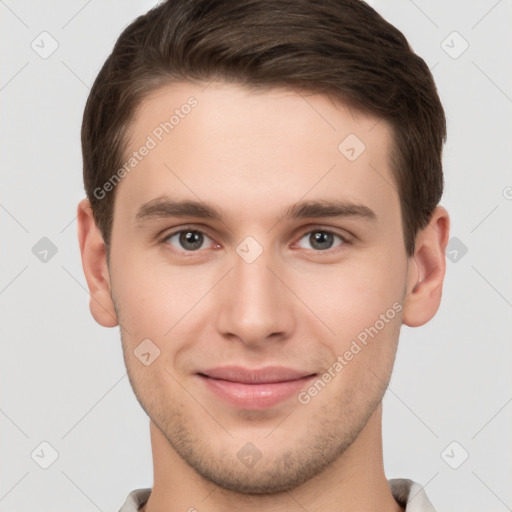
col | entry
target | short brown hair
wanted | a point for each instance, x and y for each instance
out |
(342, 48)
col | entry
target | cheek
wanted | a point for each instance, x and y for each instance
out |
(142, 304)
(162, 303)
(354, 294)
(360, 302)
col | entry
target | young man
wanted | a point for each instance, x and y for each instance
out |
(263, 180)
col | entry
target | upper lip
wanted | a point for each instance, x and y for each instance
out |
(265, 375)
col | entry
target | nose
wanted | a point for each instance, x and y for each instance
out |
(255, 306)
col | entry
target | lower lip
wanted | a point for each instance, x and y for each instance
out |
(255, 396)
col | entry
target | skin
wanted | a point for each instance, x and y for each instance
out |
(251, 155)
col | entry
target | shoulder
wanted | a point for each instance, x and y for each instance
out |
(135, 500)
(410, 495)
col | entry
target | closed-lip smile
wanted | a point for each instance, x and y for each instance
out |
(254, 389)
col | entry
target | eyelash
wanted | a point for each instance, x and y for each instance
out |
(345, 240)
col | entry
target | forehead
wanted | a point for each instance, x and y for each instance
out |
(237, 147)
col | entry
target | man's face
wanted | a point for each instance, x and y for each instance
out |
(256, 288)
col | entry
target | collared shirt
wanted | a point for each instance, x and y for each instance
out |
(407, 494)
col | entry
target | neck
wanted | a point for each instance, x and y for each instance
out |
(355, 481)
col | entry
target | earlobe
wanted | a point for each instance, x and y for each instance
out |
(94, 263)
(426, 271)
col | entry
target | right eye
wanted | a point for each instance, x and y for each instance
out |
(188, 240)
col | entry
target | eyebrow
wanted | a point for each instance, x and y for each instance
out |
(166, 207)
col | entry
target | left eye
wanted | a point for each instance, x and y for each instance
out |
(188, 239)
(320, 240)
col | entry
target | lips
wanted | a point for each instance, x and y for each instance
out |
(255, 389)
(266, 375)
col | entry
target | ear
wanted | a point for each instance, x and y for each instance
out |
(426, 271)
(94, 263)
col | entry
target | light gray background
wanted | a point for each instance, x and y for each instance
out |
(62, 377)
